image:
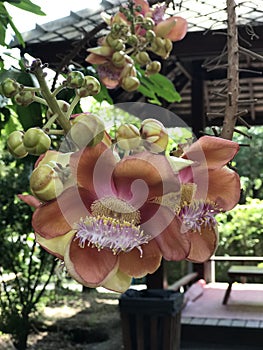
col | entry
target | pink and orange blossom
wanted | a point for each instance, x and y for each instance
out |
(110, 227)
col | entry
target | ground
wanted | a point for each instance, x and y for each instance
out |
(89, 322)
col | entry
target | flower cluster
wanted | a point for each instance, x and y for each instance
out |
(110, 218)
(135, 31)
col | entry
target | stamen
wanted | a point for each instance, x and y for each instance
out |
(105, 232)
(115, 208)
(198, 214)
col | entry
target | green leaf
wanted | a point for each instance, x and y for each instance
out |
(30, 116)
(157, 85)
(27, 5)
(103, 95)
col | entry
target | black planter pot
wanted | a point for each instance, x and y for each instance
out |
(151, 319)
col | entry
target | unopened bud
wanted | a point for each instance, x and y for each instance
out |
(148, 23)
(36, 141)
(118, 59)
(142, 58)
(24, 98)
(87, 130)
(10, 87)
(150, 35)
(128, 137)
(154, 134)
(153, 68)
(75, 80)
(132, 40)
(130, 83)
(118, 45)
(45, 182)
(90, 87)
(15, 144)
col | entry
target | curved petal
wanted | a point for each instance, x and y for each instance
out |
(58, 217)
(203, 245)
(93, 168)
(56, 246)
(120, 282)
(89, 266)
(133, 264)
(146, 175)
(174, 244)
(214, 151)
(224, 187)
(30, 200)
(93, 58)
(173, 28)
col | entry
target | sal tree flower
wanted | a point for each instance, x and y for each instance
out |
(117, 218)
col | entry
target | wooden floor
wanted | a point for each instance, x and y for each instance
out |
(239, 323)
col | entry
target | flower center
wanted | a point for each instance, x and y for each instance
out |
(115, 208)
(106, 232)
(197, 214)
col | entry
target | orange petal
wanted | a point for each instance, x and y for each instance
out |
(93, 168)
(144, 5)
(57, 217)
(173, 244)
(224, 187)
(214, 151)
(203, 245)
(92, 58)
(134, 265)
(145, 175)
(173, 28)
(89, 266)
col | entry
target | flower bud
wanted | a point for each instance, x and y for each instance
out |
(154, 134)
(118, 59)
(128, 71)
(9, 87)
(36, 141)
(45, 182)
(132, 40)
(15, 144)
(128, 137)
(142, 58)
(24, 98)
(75, 80)
(118, 45)
(153, 68)
(87, 130)
(130, 83)
(150, 35)
(148, 23)
(90, 87)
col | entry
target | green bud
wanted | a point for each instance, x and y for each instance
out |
(36, 141)
(142, 58)
(45, 182)
(118, 45)
(153, 68)
(24, 98)
(128, 137)
(148, 23)
(139, 18)
(91, 87)
(132, 40)
(150, 35)
(15, 144)
(130, 83)
(87, 130)
(10, 87)
(75, 80)
(118, 59)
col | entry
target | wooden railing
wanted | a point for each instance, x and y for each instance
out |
(209, 266)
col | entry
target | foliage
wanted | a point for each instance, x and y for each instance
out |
(6, 19)
(25, 268)
(241, 233)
